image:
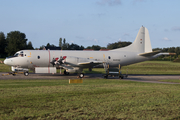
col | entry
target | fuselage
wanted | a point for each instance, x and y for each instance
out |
(42, 58)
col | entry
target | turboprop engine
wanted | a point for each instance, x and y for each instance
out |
(58, 61)
(72, 70)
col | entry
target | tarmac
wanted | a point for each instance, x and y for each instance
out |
(137, 78)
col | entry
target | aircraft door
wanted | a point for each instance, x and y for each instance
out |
(29, 59)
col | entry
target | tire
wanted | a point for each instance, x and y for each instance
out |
(121, 77)
(26, 73)
(66, 73)
(105, 77)
(81, 75)
(14, 74)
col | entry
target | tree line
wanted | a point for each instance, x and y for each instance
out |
(15, 41)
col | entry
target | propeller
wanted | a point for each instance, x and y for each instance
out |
(53, 62)
(58, 61)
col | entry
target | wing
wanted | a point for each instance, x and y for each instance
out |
(89, 64)
(72, 63)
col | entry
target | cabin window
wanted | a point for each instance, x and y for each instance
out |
(38, 57)
(109, 57)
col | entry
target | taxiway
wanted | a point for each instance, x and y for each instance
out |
(137, 78)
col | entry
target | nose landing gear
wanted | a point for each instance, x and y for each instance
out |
(26, 73)
(81, 75)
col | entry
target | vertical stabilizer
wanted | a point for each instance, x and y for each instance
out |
(147, 45)
(142, 43)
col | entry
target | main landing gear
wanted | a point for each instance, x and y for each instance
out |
(114, 72)
(80, 75)
(66, 73)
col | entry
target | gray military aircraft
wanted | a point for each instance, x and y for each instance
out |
(46, 61)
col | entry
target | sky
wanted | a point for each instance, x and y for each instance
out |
(92, 22)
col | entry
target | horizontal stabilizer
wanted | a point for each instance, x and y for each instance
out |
(148, 54)
(157, 53)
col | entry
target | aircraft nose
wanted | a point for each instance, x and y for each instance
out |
(7, 62)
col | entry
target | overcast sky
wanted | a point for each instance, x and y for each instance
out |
(92, 22)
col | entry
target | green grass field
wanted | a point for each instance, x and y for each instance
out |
(93, 99)
(3, 67)
(153, 67)
(172, 81)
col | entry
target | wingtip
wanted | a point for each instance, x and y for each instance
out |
(172, 53)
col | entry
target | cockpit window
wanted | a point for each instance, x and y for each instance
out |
(16, 54)
(19, 54)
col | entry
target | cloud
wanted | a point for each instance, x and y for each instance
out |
(109, 2)
(166, 39)
(139, 0)
(135, 1)
(176, 28)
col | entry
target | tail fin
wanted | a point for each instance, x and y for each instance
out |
(142, 43)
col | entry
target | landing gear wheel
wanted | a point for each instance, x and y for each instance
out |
(121, 77)
(26, 73)
(106, 76)
(66, 73)
(81, 75)
(14, 74)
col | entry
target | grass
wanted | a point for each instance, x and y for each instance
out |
(147, 67)
(3, 67)
(172, 81)
(93, 99)
(153, 67)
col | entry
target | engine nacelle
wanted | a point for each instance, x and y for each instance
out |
(75, 60)
(73, 70)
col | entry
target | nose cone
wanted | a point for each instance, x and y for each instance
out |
(5, 61)
(8, 62)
